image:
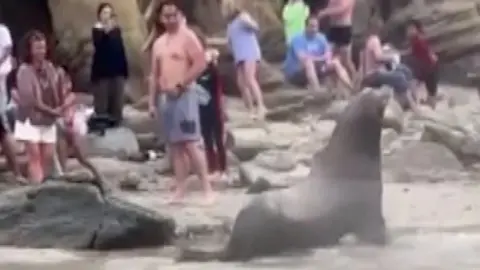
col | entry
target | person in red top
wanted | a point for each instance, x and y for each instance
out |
(424, 59)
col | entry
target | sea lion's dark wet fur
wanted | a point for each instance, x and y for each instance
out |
(342, 195)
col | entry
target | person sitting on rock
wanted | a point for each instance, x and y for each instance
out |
(309, 58)
(294, 14)
(424, 60)
(380, 66)
(212, 114)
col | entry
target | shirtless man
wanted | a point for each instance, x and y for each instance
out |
(340, 33)
(178, 59)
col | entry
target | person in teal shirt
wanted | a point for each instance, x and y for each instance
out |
(294, 15)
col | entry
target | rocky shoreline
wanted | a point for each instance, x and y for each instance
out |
(430, 168)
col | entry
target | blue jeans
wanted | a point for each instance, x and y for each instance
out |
(399, 79)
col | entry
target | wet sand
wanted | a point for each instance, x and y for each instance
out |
(447, 216)
(439, 251)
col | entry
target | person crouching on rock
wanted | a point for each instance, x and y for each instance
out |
(424, 60)
(309, 58)
(38, 105)
(212, 114)
(178, 59)
(380, 67)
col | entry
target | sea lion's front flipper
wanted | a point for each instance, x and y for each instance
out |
(373, 232)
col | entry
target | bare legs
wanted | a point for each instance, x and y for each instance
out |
(47, 151)
(244, 90)
(345, 56)
(8, 147)
(311, 73)
(196, 157)
(180, 170)
(250, 88)
(62, 151)
(342, 75)
(313, 70)
(35, 170)
(40, 156)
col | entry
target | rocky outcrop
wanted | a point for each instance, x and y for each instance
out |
(458, 129)
(116, 141)
(74, 216)
(452, 27)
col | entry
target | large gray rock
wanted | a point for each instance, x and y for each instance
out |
(424, 161)
(249, 142)
(138, 121)
(279, 168)
(458, 129)
(74, 216)
(116, 141)
(452, 27)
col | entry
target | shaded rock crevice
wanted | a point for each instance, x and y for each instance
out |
(21, 16)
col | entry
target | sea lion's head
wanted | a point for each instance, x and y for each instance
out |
(354, 147)
(360, 123)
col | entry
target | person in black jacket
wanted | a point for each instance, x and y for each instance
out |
(211, 114)
(109, 65)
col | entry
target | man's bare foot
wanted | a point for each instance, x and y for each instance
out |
(224, 177)
(21, 180)
(177, 197)
(210, 198)
(261, 112)
(172, 186)
(252, 115)
(213, 177)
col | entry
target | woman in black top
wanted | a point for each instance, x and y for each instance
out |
(109, 65)
(212, 114)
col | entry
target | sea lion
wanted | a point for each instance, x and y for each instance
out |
(341, 195)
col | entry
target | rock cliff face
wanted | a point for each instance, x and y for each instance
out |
(72, 21)
(453, 27)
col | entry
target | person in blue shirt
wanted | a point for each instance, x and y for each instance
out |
(309, 58)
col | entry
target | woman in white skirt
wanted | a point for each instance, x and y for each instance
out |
(39, 106)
